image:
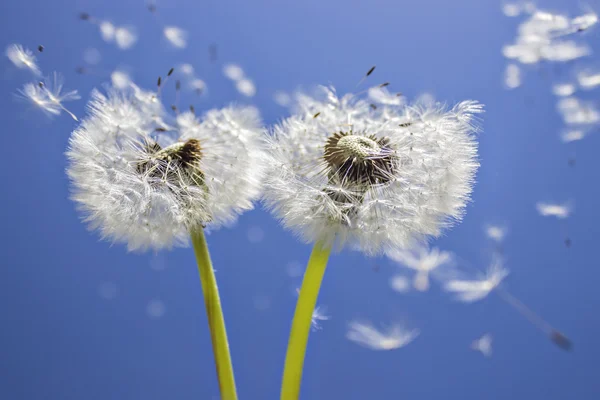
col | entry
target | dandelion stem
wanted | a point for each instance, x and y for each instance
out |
(307, 299)
(214, 315)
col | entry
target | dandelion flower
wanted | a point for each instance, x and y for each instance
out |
(483, 345)
(148, 188)
(560, 211)
(469, 291)
(176, 36)
(340, 172)
(22, 58)
(370, 337)
(376, 179)
(150, 184)
(421, 260)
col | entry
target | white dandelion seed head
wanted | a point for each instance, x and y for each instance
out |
(340, 172)
(145, 183)
(560, 211)
(472, 290)
(233, 72)
(246, 87)
(483, 345)
(22, 58)
(365, 334)
(176, 36)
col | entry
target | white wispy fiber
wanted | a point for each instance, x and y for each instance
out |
(145, 182)
(22, 58)
(381, 95)
(539, 38)
(423, 261)
(578, 112)
(49, 96)
(176, 36)
(471, 290)
(483, 345)
(512, 76)
(124, 36)
(233, 71)
(120, 79)
(588, 79)
(370, 337)
(572, 135)
(495, 232)
(560, 211)
(246, 87)
(318, 315)
(342, 172)
(563, 89)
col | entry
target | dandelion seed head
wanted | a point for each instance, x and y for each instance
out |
(22, 58)
(377, 179)
(145, 179)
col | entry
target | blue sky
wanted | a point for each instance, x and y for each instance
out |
(60, 339)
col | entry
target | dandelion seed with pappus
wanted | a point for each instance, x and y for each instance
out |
(371, 179)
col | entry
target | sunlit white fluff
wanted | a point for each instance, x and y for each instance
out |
(560, 211)
(380, 95)
(107, 31)
(125, 37)
(48, 96)
(400, 283)
(370, 337)
(120, 79)
(588, 79)
(131, 195)
(575, 111)
(422, 163)
(512, 76)
(471, 290)
(423, 261)
(495, 232)
(246, 87)
(572, 135)
(318, 315)
(563, 89)
(176, 36)
(483, 345)
(22, 58)
(233, 71)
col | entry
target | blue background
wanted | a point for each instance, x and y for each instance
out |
(59, 339)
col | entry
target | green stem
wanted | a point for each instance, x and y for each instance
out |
(214, 314)
(307, 299)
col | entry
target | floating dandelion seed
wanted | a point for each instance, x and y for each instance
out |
(198, 86)
(573, 135)
(22, 58)
(400, 283)
(125, 37)
(120, 79)
(560, 211)
(483, 345)
(511, 9)
(281, 98)
(563, 89)
(107, 30)
(186, 69)
(588, 79)
(512, 76)
(495, 232)
(149, 189)
(176, 36)
(318, 316)
(246, 87)
(382, 96)
(48, 96)
(469, 291)
(233, 72)
(421, 260)
(156, 309)
(370, 337)
(40, 48)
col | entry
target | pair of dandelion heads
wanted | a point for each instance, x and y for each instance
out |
(376, 178)
(47, 95)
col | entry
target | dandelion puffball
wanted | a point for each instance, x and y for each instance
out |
(340, 171)
(370, 337)
(146, 182)
(22, 58)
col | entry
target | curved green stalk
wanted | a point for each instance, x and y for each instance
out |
(214, 314)
(307, 299)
